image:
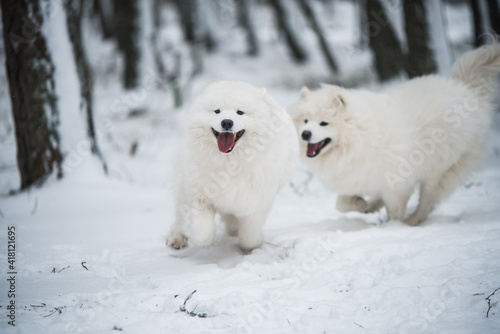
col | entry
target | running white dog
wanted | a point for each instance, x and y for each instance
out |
(430, 131)
(240, 149)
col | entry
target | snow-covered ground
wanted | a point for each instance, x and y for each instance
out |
(91, 258)
(318, 271)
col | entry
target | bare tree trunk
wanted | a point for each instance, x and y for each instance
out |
(494, 10)
(244, 19)
(478, 22)
(305, 5)
(104, 11)
(389, 58)
(296, 49)
(126, 30)
(31, 83)
(172, 79)
(74, 17)
(189, 20)
(420, 55)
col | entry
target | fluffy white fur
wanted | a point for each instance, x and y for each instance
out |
(240, 185)
(430, 131)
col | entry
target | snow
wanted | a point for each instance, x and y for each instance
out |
(318, 270)
(91, 254)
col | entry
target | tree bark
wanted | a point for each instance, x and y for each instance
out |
(420, 55)
(74, 17)
(172, 78)
(296, 49)
(308, 11)
(30, 71)
(478, 22)
(104, 11)
(126, 30)
(494, 11)
(189, 20)
(389, 58)
(244, 19)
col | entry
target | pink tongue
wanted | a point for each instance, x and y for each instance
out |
(225, 141)
(312, 148)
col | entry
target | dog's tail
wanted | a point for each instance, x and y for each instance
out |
(479, 69)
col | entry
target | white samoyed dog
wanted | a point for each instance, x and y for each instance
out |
(240, 148)
(375, 148)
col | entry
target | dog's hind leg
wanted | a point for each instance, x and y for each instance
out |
(358, 203)
(250, 230)
(395, 203)
(435, 190)
(231, 223)
(374, 204)
(346, 203)
(429, 197)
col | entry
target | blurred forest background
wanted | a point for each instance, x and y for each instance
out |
(68, 61)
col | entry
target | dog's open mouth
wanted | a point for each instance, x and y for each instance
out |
(313, 149)
(227, 140)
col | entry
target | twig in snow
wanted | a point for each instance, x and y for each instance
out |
(1, 213)
(56, 309)
(490, 305)
(116, 328)
(83, 265)
(358, 324)
(35, 206)
(54, 269)
(41, 305)
(192, 313)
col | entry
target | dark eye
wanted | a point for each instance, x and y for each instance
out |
(217, 111)
(239, 112)
(323, 123)
(305, 121)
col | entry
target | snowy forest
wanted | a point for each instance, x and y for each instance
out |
(92, 100)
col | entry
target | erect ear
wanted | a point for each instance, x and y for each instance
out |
(338, 102)
(304, 92)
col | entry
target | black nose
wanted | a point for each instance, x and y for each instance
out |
(226, 124)
(306, 135)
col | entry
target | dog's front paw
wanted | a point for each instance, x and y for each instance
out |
(177, 241)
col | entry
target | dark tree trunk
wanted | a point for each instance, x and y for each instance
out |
(478, 22)
(126, 30)
(421, 59)
(188, 12)
(494, 10)
(74, 17)
(30, 72)
(305, 5)
(172, 79)
(244, 19)
(296, 49)
(389, 58)
(156, 15)
(103, 9)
